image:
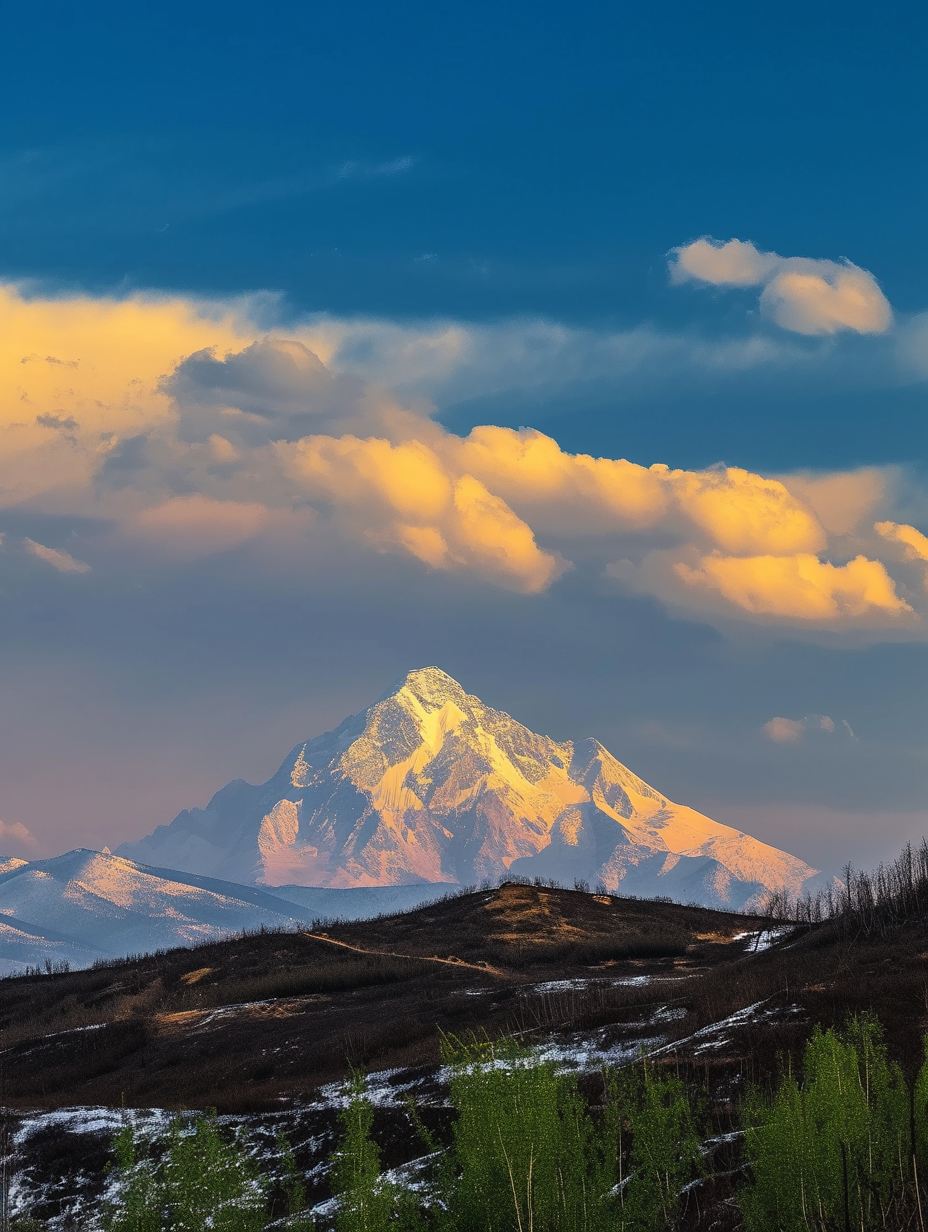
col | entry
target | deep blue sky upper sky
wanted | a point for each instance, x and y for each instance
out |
(550, 157)
(518, 172)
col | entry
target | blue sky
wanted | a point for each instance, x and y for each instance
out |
(509, 180)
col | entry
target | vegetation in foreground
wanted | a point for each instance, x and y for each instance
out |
(838, 1144)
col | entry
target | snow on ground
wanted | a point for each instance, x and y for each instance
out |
(718, 1034)
(37, 1180)
(764, 938)
(93, 1120)
(76, 1195)
(583, 982)
(580, 1053)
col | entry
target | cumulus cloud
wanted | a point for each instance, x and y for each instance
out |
(781, 730)
(193, 431)
(800, 587)
(403, 496)
(802, 294)
(728, 507)
(273, 388)
(60, 420)
(913, 541)
(59, 560)
(909, 545)
(844, 501)
(733, 263)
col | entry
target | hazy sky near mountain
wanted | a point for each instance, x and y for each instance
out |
(584, 355)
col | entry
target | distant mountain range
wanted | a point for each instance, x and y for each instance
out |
(89, 905)
(430, 784)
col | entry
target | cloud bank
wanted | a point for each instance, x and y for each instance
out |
(183, 429)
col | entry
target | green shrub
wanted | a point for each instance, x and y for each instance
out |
(526, 1153)
(367, 1202)
(139, 1202)
(665, 1147)
(211, 1183)
(202, 1181)
(833, 1150)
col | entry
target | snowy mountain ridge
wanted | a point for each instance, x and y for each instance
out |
(88, 905)
(430, 784)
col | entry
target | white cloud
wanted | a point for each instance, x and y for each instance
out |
(799, 587)
(803, 294)
(734, 263)
(59, 560)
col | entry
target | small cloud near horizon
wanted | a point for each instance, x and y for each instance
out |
(17, 834)
(782, 730)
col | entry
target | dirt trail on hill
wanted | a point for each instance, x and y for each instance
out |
(482, 968)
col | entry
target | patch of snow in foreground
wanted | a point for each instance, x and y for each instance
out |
(764, 939)
(587, 981)
(93, 1120)
(409, 1177)
(718, 1034)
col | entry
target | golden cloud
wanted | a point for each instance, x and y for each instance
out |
(800, 587)
(914, 543)
(733, 509)
(404, 497)
(100, 360)
(161, 413)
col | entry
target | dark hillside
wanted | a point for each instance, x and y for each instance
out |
(259, 1025)
(241, 1023)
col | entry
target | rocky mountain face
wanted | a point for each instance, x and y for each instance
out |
(432, 785)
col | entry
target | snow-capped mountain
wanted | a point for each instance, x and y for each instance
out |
(86, 905)
(431, 785)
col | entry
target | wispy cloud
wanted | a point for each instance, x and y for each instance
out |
(361, 169)
(57, 558)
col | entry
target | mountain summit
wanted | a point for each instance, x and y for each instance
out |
(431, 784)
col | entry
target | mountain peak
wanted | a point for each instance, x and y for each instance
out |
(430, 685)
(429, 784)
